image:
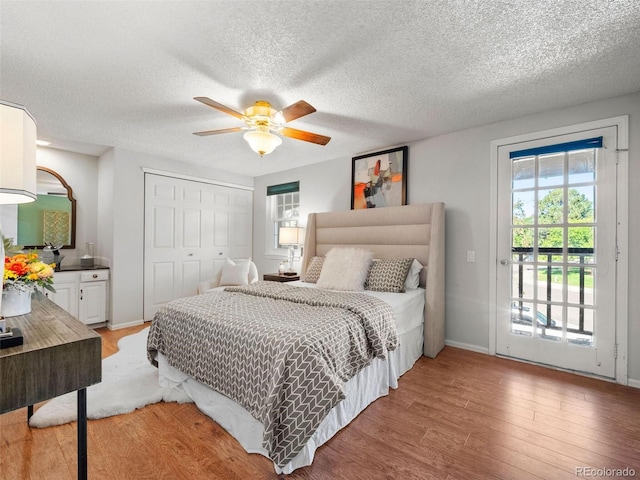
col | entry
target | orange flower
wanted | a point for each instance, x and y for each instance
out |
(26, 271)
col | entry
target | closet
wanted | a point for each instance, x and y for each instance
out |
(191, 227)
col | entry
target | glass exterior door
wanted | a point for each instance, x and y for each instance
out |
(556, 245)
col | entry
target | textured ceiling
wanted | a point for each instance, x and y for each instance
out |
(380, 73)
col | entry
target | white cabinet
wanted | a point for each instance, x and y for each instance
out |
(92, 304)
(82, 293)
(66, 294)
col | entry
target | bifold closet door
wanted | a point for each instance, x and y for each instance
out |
(190, 229)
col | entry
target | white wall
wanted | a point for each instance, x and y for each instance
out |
(105, 192)
(9, 221)
(455, 168)
(121, 196)
(321, 190)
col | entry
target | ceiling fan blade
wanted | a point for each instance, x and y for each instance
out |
(219, 106)
(297, 110)
(216, 132)
(304, 136)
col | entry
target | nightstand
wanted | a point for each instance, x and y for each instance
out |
(276, 277)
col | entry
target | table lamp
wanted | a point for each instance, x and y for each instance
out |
(291, 236)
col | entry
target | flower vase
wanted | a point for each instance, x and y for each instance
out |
(15, 302)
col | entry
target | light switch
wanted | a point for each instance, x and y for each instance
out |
(471, 256)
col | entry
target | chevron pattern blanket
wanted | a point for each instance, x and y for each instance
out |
(282, 352)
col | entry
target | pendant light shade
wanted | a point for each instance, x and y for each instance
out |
(17, 159)
(262, 141)
(17, 154)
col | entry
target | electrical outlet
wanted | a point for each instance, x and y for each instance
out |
(471, 256)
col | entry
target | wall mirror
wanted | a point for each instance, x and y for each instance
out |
(51, 219)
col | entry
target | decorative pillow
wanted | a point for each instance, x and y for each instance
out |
(345, 269)
(235, 273)
(253, 272)
(388, 275)
(313, 270)
(413, 277)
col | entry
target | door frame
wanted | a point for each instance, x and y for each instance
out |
(622, 234)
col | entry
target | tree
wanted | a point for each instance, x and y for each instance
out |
(550, 207)
(522, 237)
(550, 211)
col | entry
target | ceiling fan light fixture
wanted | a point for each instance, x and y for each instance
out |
(262, 141)
(261, 110)
(262, 119)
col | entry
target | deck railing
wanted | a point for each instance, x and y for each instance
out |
(581, 265)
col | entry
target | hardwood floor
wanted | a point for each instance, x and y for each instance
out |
(461, 416)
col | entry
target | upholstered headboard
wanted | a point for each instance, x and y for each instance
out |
(415, 231)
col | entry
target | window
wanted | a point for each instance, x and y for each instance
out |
(283, 210)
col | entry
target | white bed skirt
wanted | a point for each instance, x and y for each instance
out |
(369, 384)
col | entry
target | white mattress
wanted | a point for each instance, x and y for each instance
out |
(369, 384)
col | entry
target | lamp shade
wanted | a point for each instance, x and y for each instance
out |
(262, 141)
(17, 154)
(291, 235)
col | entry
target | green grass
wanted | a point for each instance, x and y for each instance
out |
(573, 276)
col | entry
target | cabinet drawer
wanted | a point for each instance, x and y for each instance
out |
(94, 275)
(65, 277)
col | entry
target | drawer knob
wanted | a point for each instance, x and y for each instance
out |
(95, 275)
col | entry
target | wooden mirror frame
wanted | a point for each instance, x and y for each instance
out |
(72, 243)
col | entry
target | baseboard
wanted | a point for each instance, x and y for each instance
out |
(467, 346)
(633, 382)
(120, 326)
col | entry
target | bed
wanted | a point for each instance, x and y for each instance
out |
(379, 355)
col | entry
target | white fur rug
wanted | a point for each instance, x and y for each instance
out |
(129, 381)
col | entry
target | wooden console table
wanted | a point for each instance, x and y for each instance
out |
(59, 355)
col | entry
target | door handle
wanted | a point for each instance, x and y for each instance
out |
(504, 262)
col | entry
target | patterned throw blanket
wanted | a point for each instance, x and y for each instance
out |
(282, 352)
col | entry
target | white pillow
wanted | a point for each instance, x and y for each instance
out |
(253, 272)
(235, 273)
(413, 277)
(345, 269)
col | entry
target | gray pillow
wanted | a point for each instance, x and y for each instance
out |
(388, 275)
(313, 270)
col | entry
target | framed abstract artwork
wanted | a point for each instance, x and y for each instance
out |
(379, 179)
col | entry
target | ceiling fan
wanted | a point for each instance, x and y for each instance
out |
(261, 119)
